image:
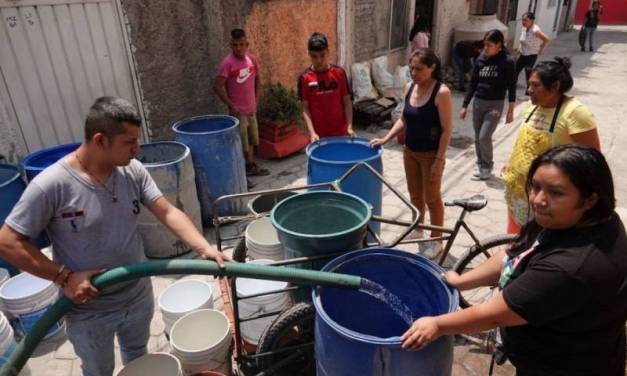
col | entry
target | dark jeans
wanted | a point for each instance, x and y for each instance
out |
(461, 65)
(589, 35)
(525, 62)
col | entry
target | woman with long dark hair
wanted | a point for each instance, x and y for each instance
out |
(428, 124)
(562, 301)
(552, 118)
(492, 77)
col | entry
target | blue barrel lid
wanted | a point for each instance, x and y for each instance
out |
(8, 174)
(205, 124)
(346, 140)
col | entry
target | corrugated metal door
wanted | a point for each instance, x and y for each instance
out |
(56, 58)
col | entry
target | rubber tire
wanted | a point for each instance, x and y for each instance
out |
(474, 251)
(239, 252)
(280, 330)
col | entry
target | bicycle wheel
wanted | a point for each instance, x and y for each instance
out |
(475, 256)
(293, 327)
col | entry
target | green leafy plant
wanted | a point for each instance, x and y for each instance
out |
(279, 105)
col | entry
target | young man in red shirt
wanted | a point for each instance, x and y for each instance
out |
(324, 94)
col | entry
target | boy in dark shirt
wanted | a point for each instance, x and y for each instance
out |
(324, 94)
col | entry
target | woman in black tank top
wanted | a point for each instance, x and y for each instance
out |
(427, 121)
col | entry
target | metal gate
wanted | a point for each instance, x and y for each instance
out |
(56, 58)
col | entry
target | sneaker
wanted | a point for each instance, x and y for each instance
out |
(483, 175)
(583, 49)
(430, 250)
(476, 172)
(253, 170)
(249, 184)
(591, 49)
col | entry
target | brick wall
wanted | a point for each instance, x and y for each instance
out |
(370, 34)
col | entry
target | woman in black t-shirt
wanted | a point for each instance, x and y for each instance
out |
(562, 299)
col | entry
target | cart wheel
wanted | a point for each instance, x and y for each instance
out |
(293, 327)
(239, 252)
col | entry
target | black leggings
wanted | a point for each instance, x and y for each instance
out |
(525, 62)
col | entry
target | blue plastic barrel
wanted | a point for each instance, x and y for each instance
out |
(330, 158)
(218, 161)
(11, 188)
(170, 165)
(359, 335)
(36, 162)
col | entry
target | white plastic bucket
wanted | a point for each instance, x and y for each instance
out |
(202, 341)
(252, 330)
(156, 364)
(4, 276)
(184, 297)
(7, 340)
(262, 240)
(26, 298)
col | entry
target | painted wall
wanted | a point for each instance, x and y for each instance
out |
(614, 12)
(278, 32)
(448, 14)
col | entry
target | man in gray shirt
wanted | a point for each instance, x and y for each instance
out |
(88, 202)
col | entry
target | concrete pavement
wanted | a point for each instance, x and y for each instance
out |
(600, 83)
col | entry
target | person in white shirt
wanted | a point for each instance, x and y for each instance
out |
(533, 42)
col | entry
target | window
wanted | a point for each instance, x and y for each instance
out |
(380, 26)
(399, 29)
(391, 23)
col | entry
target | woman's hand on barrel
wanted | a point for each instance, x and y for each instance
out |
(421, 333)
(78, 287)
(452, 278)
(377, 142)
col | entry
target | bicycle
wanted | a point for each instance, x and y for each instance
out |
(288, 342)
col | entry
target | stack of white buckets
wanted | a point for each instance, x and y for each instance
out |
(264, 247)
(7, 339)
(199, 336)
(25, 298)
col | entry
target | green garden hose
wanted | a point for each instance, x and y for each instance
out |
(26, 347)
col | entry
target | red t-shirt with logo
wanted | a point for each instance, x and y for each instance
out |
(324, 91)
(240, 81)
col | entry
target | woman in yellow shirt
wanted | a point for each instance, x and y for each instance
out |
(552, 118)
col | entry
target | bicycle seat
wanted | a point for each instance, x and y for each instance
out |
(473, 203)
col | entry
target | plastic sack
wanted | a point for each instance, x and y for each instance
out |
(383, 80)
(401, 78)
(362, 84)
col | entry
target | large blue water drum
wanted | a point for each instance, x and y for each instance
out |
(11, 188)
(218, 161)
(36, 162)
(330, 158)
(357, 334)
(170, 165)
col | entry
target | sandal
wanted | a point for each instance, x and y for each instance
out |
(254, 170)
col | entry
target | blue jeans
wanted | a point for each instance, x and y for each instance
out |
(461, 66)
(92, 335)
(589, 35)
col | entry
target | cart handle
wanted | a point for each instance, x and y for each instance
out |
(412, 208)
(28, 344)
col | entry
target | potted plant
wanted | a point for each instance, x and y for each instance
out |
(279, 115)
(279, 112)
